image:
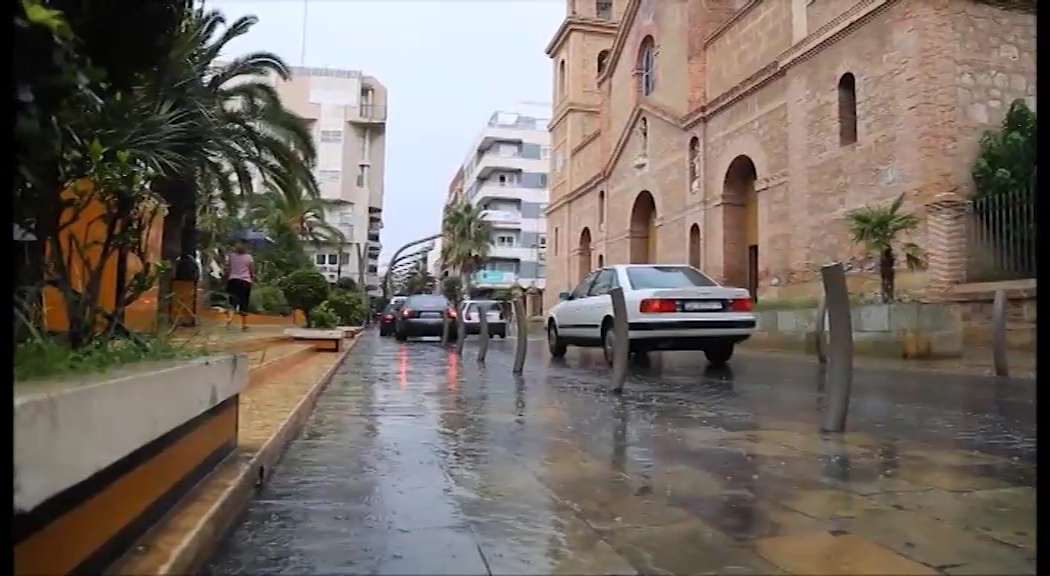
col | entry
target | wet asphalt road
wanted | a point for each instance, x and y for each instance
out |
(417, 461)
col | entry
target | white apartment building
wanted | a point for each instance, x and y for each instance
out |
(506, 173)
(347, 111)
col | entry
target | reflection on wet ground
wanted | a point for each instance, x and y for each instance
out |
(417, 461)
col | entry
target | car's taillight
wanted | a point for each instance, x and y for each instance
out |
(406, 312)
(388, 317)
(740, 304)
(657, 306)
(451, 312)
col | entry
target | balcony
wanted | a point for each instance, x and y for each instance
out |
(369, 114)
(502, 217)
(493, 278)
(491, 163)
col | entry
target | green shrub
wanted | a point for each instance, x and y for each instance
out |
(349, 307)
(304, 289)
(271, 300)
(347, 283)
(322, 317)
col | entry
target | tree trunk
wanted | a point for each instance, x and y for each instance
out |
(887, 273)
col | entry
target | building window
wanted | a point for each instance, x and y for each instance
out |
(344, 258)
(555, 241)
(545, 152)
(694, 164)
(847, 109)
(603, 59)
(561, 79)
(505, 240)
(647, 66)
(543, 180)
(362, 176)
(333, 259)
(603, 9)
(601, 208)
(541, 241)
(327, 176)
(319, 259)
(601, 261)
(331, 136)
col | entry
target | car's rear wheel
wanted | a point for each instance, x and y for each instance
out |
(608, 342)
(719, 354)
(555, 344)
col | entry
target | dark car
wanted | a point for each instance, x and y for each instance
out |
(423, 315)
(388, 316)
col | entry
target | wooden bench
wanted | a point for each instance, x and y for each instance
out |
(322, 340)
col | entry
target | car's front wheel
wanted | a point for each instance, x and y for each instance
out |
(719, 354)
(555, 344)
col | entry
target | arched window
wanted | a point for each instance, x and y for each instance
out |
(603, 59)
(694, 164)
(601, 261)
(647, 66)
(847, 109)
(601, 208)
(561, 78)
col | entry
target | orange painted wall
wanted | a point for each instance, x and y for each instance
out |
(88, 228)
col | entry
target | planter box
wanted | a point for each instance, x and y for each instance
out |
(908, 330)
(99, 460)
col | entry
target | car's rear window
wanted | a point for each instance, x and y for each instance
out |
(392, 308)
(656, 277)
(426, 301)
(490, 306)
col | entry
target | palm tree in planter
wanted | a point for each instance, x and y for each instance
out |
(466, 240)
(879, 229)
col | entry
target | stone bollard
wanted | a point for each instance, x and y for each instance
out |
(999, 334)
(483, 346)
(820, 332)
(445, 324)
(621, 340)
(461, 333)
(840, 348)
(521, 322)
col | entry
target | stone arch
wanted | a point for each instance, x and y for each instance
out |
(740, 225)
(643, 229)
(584, 254)
(694, 246)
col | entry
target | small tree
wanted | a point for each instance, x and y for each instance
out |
(304, 289)
(879, 230)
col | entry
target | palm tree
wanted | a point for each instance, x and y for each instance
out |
(879, 229)
(241, 133)
(466, 240)
(296, 210)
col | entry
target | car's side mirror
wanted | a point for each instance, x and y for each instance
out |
(565, 296)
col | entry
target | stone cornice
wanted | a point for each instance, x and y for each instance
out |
(579, 24)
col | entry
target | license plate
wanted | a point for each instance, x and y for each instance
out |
(430, 314)
(702, 306)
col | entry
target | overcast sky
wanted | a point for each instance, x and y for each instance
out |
(447, 66)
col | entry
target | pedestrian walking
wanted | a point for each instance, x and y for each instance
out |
(240, 275)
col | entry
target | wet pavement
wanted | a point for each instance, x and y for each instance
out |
(417, 461)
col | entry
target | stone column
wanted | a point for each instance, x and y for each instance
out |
(946, 243)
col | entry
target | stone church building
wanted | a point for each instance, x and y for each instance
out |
(735, 135)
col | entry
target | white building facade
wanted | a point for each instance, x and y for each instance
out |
(347, 112)
(506, 173)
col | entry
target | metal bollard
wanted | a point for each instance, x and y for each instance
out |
(461, 333)
(444, 328)
(621, 340)
(840, 348)
(821, 329)
(523, 335)
(999, 334)
(483, 346)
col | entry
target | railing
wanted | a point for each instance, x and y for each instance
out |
(375, 112)
(1001, 238)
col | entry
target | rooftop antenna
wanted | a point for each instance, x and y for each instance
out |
(302, 53)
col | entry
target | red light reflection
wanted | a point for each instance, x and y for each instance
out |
(453, 370)
(402, 367)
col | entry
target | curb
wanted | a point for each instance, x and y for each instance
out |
(201, 540)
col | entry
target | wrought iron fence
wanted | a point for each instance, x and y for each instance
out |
(1001, 238)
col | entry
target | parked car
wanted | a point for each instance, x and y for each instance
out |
(669, 307)
(386, 317)
(422, 315)
(493, 313)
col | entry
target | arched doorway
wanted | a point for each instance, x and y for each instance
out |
(584, 254)
(740, 225)
(694, 246)
(643, 229)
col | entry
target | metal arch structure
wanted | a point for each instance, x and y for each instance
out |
(394, 259)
